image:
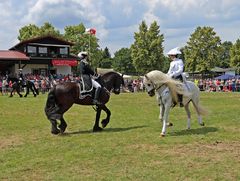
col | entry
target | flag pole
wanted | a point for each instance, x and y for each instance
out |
(89, 47)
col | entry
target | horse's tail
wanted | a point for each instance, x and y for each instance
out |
(51, 107)
(201, 110)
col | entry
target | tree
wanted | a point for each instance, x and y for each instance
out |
(83, 42)
(235, 55)
(106, 60)
(31, 31)
(76, 34)
(28, 32)
(122, 61)
(224, 61)
(147, 50)
(202, 50)
(48, 29)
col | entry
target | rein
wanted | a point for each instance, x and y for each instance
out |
(159, 87)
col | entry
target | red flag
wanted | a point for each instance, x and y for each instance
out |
(92, 31)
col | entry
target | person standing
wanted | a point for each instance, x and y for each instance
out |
(86, 73)
(20, 77)
(176, 68)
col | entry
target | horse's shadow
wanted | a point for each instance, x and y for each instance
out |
(104, 130)
(197, 131)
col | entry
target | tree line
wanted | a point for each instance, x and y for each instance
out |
(203, 51)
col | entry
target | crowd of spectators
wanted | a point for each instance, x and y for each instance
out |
(45, 83)
(212, 85)
(42, 83)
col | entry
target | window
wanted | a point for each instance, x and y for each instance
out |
(42, 50)
(64, 51)
(53, 51)
(32, 49)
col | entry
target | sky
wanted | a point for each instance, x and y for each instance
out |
(116, 20)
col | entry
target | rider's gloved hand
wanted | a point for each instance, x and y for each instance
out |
(96, 76)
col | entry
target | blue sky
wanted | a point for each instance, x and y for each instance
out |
(117, 20)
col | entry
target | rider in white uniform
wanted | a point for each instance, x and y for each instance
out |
(176, 67)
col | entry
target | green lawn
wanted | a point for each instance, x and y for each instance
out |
(129, 148)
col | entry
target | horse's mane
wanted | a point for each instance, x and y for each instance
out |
(159, 78)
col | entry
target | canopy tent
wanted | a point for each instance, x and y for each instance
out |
(219, 69)
(224, 77)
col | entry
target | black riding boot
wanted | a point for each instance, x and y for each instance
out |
(180, 99)
(96, 96)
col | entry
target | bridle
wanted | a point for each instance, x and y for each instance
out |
(154, 86)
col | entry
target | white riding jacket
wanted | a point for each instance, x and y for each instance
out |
(176, 68)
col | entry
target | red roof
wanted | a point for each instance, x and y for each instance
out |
(12, 55)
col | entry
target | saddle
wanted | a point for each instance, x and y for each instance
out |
(85, 87)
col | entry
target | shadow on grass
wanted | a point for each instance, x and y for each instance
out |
(110, 130)
(197, 131)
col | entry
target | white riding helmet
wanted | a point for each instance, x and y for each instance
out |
(174, 51)
(81, 55)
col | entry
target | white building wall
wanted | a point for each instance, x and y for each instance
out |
(28, 68)
(64, 70)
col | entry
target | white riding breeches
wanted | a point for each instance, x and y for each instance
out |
(95, 84)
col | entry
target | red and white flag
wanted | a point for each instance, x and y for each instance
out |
(92, 31)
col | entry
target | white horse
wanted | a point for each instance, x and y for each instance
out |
(167, 90)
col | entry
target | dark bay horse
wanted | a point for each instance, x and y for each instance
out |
(17, 85)
(64, 95)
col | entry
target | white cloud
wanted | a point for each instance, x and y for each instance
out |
(116, 21)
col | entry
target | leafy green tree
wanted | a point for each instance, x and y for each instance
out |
(28, 32)
(122, 61)
(224, 61)
(83, 42)
(147, 50)
(48, 29)
(235, 55)
(31, 31)
(202, 50)
(76, 34)
(166, 63)
(106, 60)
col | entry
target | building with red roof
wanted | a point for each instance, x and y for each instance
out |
(40, 55)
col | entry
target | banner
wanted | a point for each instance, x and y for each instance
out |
(59, 62)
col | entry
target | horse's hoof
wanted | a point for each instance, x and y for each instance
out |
(20, 96)
(62, 128)
(169, 124)
(97, 129)
(162, 134)
(104, 123)
(202, 124)
(57, 131)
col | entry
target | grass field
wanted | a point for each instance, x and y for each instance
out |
(130, 148)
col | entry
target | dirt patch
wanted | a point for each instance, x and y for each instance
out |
(9, 142)
(215, 151)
